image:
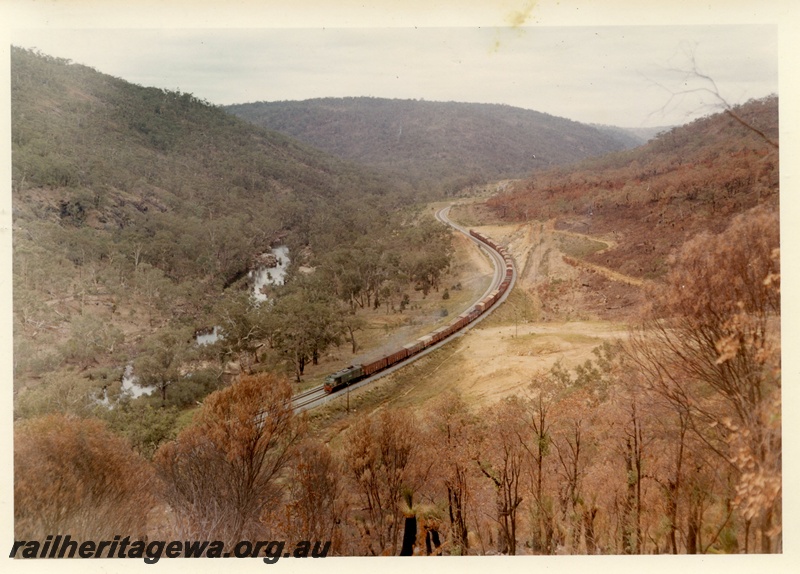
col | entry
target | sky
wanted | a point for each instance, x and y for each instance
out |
(627, 75)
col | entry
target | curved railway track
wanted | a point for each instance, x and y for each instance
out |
(317, 396)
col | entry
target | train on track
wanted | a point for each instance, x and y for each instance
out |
(355, 373)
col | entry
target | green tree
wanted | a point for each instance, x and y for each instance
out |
(246, 324)
(308, 322)
(146, 427)
(159, 365)
(350, 323)
(91, 339)
(65, 393)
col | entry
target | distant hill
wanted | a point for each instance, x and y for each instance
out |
(688, 179)
(634, 137)
(434, 142)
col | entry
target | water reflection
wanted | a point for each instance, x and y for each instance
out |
(270, 275)
(131, 387)
(208, 337)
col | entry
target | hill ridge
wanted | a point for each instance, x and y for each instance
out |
(425, 142)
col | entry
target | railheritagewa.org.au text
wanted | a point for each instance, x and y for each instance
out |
(63, 546)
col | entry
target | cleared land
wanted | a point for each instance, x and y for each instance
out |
(560, 310)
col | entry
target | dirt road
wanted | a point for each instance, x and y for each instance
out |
(559, 312)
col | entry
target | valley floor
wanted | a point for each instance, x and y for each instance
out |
(560, 310)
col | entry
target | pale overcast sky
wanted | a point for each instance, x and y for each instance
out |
(620, 75)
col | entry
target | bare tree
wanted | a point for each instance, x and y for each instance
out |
(451, 433)
(538, 444)
(501, 461)
(315, 507)
(707, 85)
(380, 455)
(712, 349)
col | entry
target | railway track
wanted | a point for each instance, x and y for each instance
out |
(317, 396)
(301, 400)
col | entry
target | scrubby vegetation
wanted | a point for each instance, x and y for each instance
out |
(445, 145)
(137, 214)
(651, 199)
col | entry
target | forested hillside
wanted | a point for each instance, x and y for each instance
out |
(95, 152)
(689, 179)
(633, 137)
(138, 213)
(445, 144)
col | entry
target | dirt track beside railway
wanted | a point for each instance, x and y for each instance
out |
(559, 311)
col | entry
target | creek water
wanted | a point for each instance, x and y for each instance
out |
(131, 387)
(209, 338)
(263, 275)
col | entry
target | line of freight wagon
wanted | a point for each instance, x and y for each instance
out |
(353, 374)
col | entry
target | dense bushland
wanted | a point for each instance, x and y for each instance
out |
(445, 145)
(138, 213)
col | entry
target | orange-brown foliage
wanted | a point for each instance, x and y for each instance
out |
(381, 456)
(315, 508)
(220, 475)
(74, 476)
(712, 350)
(693, 178)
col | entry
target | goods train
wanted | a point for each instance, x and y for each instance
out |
(354, 373)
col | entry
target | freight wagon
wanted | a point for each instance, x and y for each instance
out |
(355, 373)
